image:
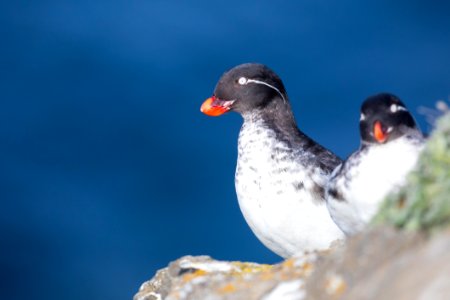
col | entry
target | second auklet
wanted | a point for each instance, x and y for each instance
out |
(281, 173)
(390, 146)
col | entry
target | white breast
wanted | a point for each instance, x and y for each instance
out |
(285, 216)
(382, 169)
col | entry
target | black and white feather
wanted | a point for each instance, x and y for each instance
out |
(281, 173)
(390, 145)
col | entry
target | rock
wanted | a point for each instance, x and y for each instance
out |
(420, 272)
(352, 264)
(380, 264)
(403, 255)
(204, 278)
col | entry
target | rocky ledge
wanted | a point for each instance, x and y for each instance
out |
(404, 255)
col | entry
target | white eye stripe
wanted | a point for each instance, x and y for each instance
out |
(264, 83)
(362, 117)
(395, 108)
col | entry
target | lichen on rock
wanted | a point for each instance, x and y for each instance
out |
(205, 278)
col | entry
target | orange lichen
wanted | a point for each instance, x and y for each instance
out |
(228, 288)
(288, 263)
(307, 268)
(190, 276)
(247, 268)
(335, 285)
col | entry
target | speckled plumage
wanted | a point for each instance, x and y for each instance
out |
(281, 173)
(280, 182)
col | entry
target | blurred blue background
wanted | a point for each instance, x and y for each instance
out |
(108, 170)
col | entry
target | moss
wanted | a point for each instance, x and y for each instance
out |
(424, 203)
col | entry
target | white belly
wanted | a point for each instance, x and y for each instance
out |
(286, 219)
(383, 169)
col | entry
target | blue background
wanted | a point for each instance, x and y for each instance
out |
(108, 170)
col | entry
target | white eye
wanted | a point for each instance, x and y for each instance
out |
(242, 81)
(395, 108)
(362, 117)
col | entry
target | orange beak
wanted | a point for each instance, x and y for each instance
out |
(215, 107)
(379, 132)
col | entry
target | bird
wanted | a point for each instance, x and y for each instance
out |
(390, 144)
(281, 173)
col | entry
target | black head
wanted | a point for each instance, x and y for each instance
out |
(245, 88)
(384, 118)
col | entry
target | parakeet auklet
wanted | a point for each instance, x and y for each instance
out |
(390, 145)
(281, 173)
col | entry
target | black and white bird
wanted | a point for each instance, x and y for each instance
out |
(281, 173)
(390, 145)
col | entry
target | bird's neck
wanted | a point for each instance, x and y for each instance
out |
(276, 115)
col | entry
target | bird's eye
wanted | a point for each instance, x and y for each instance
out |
(362, 117)
(395, 108)
(242, 80)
